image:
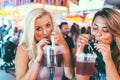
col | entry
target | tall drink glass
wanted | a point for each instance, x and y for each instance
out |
(53, 56)
(85, 63)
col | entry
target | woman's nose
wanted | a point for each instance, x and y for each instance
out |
(44, 31)
(99, 33)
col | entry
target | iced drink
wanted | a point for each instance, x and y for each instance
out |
(52, 57)
(85, 64)
(58, 60)
(48, 61)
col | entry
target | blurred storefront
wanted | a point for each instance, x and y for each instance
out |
(16, 10)
(82, 11)
(79, 11)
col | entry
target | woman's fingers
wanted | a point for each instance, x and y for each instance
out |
(43, 42)
(83, 39)
(57, 37)
(105, 50)
(101, 46)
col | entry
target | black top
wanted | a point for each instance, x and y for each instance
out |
(71, 46)
(69, 42)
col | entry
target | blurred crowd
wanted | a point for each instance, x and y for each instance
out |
(9, 39)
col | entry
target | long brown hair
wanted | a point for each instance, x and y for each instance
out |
(112, 18)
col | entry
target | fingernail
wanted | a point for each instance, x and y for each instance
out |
(53, 32)
(82, 41)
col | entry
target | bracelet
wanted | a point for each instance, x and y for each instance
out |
(37, 61)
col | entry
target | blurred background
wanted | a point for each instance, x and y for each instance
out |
(13, 13)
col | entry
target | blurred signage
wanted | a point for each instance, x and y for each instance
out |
(86, 5)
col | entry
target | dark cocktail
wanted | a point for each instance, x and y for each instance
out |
(52, 56)
(85, 64)
(85, 68)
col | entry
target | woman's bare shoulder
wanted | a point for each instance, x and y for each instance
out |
(22, 48)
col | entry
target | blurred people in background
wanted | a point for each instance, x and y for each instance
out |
(36, 34)
(88, 30)
(74, 32)
(8, 47)
(4, 31)
(83, 30)
(106, 29)
(65, 31)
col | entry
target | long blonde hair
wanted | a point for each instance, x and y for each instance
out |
(28, 31)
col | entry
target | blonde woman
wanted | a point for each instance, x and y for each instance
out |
(106, 29)
(39, 25)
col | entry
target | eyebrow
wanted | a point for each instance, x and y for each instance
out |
(37, 26)
(45, 24)
(98, 26)
(48, 22)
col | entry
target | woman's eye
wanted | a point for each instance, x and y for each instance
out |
(95, 28)
(38, 28)
(105, 30)
(48, 25)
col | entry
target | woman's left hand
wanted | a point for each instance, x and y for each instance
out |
(105, 51)
(58, 37)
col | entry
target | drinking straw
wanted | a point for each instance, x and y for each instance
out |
(91, 48)
(78, 50)
(53, 42)
(52, 68)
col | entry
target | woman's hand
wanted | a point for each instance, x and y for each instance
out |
(82, 41)
(105, 51)
(58, 37)
(40, 46)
